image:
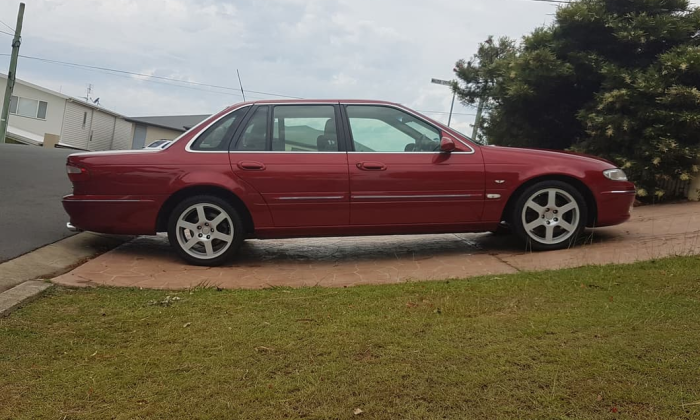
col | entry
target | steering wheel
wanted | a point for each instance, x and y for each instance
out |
(424, 144)
(419, 143)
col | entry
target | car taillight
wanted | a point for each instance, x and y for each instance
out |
(77, 173)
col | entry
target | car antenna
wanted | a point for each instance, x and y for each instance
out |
(241, 84)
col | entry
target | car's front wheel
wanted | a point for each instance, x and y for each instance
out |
(550, 215)
(205, 230)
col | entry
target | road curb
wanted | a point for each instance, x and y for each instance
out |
(21, 294)
(56, 259)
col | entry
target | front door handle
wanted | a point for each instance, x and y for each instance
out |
(251, 166)
(371, 166)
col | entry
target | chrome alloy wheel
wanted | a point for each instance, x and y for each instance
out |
(551, 216)
(204, 231)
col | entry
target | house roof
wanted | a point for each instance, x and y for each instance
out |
(66, 97)
(173, 122)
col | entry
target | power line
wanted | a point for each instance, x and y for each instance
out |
(128, 74)
(6, 33)
(125, 76)
(8, 26)
(131, 73)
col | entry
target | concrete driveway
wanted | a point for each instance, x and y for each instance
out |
(32, 182)
(653, 232)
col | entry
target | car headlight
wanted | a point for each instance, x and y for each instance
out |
(615, 174)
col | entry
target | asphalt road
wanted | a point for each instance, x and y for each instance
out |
(32, 182)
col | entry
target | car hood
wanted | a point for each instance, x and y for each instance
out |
(499, 152)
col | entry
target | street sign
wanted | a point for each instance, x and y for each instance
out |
(441, 82)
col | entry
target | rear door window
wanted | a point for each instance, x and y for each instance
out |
(304, 128)
(254, 136)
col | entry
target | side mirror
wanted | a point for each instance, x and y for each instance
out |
(447, 145)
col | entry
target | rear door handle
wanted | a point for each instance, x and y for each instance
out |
(251, 166)
(371, 166)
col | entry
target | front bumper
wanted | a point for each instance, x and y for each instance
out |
(615, 206)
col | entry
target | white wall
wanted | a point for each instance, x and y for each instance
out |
(154, 133)
(54, 110)
(102, 131)
(123, 135)
(74, 132)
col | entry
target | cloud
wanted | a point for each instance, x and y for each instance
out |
(371, 49)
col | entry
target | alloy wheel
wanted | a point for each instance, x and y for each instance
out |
(551, 216)
(204, 231)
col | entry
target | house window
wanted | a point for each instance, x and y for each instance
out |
(28, 107)
(41, 114)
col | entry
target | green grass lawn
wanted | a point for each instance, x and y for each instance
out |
(597, 342)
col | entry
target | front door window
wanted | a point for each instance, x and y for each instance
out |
(389, 130)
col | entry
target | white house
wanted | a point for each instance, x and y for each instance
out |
(36, 111)
(166, 127)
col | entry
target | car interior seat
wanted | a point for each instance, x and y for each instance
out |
(328, 141)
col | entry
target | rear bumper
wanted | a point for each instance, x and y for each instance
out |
(72, 228)
(615, 207)
(122, 215)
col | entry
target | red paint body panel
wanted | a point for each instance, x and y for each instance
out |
(327, 194)
(457, 176)
(300, 189)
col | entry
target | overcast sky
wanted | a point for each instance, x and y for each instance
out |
(371, 49)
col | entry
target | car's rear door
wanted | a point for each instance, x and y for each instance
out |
(291, 155)
(398, 176)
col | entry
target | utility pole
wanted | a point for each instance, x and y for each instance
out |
(449, 119)
(477, 120)
(446, 83)
(16, 42)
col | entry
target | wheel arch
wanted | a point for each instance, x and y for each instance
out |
(178, 196)
(586, 192)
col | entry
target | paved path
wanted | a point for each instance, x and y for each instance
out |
(653, 232)
(32, 182)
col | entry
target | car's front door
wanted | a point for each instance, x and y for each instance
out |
(291, 155)
(398, 176)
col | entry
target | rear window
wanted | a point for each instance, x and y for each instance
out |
(218, 136)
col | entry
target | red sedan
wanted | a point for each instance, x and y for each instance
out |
(278, 169)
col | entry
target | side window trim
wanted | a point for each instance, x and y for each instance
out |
(341, 127)
(348, 130)
(347, 136)
(270, 127)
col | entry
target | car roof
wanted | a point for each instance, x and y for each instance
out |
(318, 101)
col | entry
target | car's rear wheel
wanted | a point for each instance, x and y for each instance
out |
(205, 230)
(550, 215)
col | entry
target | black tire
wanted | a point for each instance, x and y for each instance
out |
(199, 253)
(533, 238)
(503, 229)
